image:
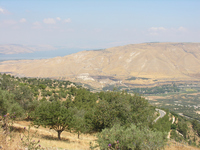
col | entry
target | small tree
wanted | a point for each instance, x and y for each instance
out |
(78, 124)
(53, 115)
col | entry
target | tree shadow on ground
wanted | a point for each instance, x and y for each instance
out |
(50, 137)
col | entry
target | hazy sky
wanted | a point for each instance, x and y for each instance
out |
(98, 24)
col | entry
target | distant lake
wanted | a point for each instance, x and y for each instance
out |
(39, 54)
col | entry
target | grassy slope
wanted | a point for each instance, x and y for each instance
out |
(69, 140)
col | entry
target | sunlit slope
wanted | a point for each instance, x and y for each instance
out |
(148, 60)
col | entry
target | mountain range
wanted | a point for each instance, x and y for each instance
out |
(17, 49)
(128, 66)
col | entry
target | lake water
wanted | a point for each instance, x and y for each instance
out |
(39, 54)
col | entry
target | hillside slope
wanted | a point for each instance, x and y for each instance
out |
(155, 61)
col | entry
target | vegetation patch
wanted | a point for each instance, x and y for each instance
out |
(121, 120)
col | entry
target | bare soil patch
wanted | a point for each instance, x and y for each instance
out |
(194, 94)
(154, 98)
(198, 112)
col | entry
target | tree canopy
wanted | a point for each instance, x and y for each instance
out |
(53, 115)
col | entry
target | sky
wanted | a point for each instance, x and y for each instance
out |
(97, 24)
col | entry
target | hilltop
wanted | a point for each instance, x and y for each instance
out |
(144, 64)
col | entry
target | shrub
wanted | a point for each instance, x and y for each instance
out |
(119, 137)
(175, 136)
(16, 109)
(173, 126)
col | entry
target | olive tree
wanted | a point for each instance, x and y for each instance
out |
(53, 115)
(131, 138)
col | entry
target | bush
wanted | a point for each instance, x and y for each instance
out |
(42, 86)
(175, 136)
(119, 137)
(182, 127)
(173, 126)
(16, 109)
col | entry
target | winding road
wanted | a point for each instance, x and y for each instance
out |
(162, 114)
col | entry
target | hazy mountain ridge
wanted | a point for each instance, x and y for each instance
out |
(17, 49)
(155, 61)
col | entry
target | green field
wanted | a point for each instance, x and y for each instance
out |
(185, 101)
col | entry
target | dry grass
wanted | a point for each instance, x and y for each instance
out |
(154, 98)
(69, 141)
(49, 138)
(172, 145)
(194, 94)
(10, 141)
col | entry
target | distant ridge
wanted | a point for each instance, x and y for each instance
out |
(146, 63)
(17, 49)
